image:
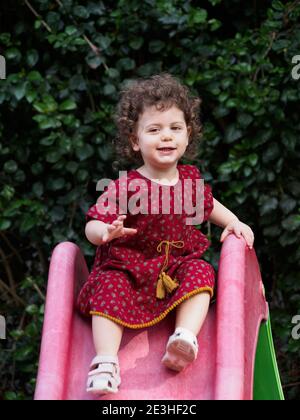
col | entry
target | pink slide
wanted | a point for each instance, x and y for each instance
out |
(227, 342)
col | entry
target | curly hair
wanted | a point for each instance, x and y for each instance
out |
(162, 91)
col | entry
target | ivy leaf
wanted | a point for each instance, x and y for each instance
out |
(156, 46)
(95, 61)
(32, 57)
(85, 152)
(10, 166)
(232, 133)
(71, 30)
(67, 105)
(269, 204)
(109, 89)
(125, 64)
(19, 90)
(287, 204)
(13, 54)
(136, 43)
(199, 16)
(291, 223)
(81, 12)
(5, 224)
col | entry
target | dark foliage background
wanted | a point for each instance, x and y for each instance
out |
(66, 61)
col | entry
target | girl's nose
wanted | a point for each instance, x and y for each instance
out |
(166, 135)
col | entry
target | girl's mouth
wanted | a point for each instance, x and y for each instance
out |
(166, 150)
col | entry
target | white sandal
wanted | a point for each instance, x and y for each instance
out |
(104, 376)
(182, 349)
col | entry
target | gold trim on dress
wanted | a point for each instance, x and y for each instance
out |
(159, 318)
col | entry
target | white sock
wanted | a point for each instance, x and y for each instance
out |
(184, 330)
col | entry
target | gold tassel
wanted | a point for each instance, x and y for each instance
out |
(160, 289)
(165, 283)
(169, 283)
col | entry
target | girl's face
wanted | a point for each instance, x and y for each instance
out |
(162, 136)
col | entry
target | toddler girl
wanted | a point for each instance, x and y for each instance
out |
(148, 261)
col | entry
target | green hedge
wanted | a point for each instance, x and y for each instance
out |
(66, 62)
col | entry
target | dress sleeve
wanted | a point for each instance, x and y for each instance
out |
(208, 197)
(106, 208)
(208, 201)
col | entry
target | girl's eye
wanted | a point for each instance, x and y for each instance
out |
(155, 129)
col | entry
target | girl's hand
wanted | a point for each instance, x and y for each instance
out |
(117, 229)
(239, 229)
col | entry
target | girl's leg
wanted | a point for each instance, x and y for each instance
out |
(191, 313)
(104, 375)
(182, 347)
(107, 336)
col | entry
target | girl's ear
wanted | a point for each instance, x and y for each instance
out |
(189, 130)
(134, 142)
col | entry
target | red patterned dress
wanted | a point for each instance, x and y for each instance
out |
(138, 279)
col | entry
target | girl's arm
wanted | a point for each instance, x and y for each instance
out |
(224, 218)
(94, 231)
(99, 233)
(220, 215)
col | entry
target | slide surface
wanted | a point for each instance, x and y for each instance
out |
(228, 340)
